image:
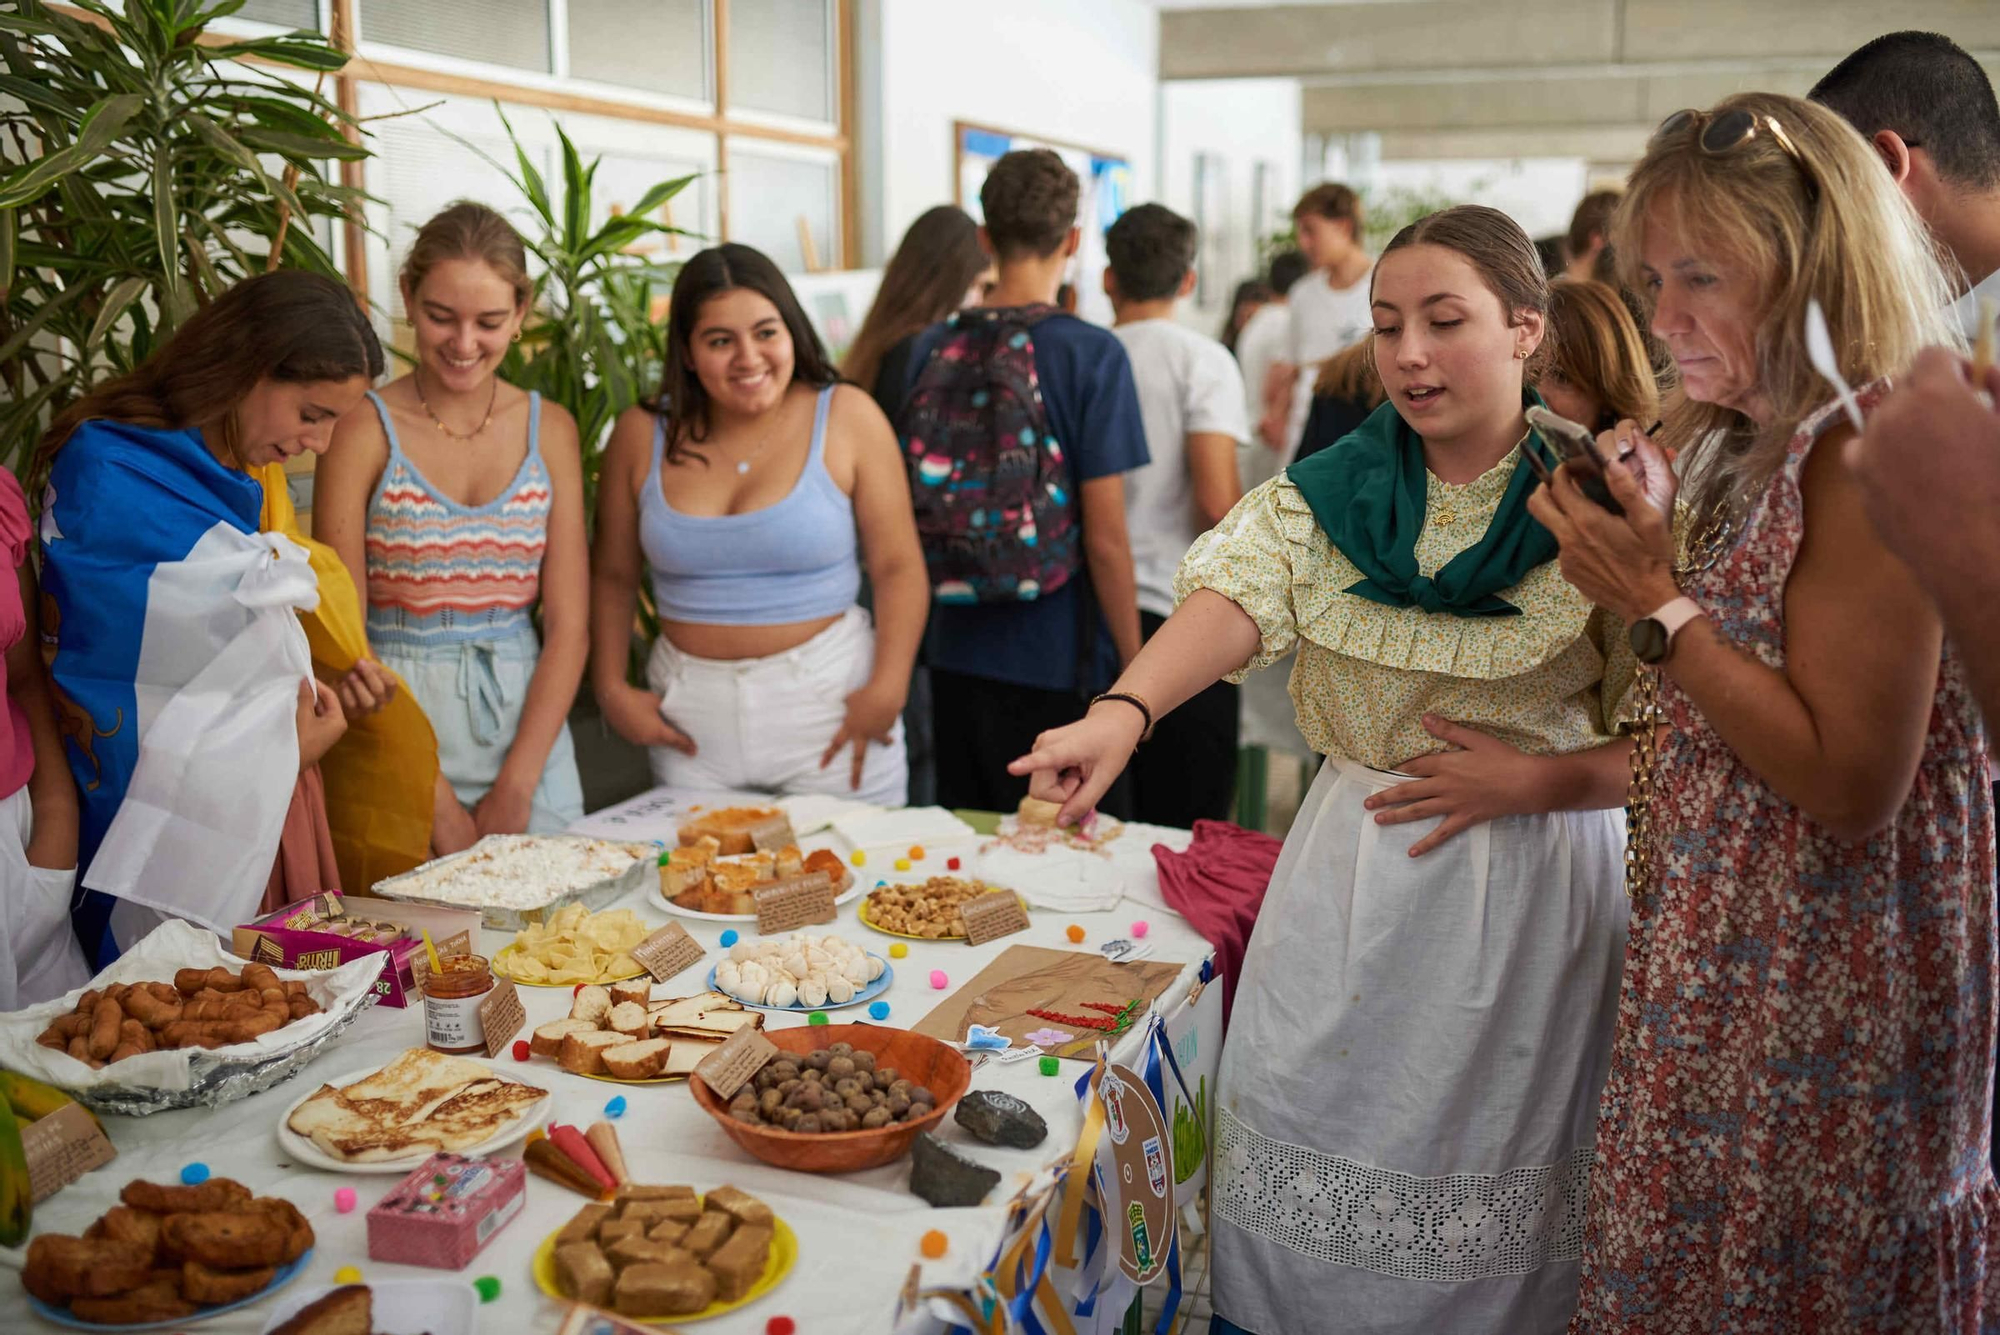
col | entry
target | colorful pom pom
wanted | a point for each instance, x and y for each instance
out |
(347, 1274)
(616, 1108)
(730, 937)
(1075, 933)
(817, 1017)
(781, 1325)
(859, 858)
(878, 1010)
(489, 1288)
(343, 1200)
(897, 950)
(194, 1174)
(666, 859)
(934, 1244)
(1049, 1065)
(520, 1049)
(951, 864)
(939, 980)
(902, 864)
(1140, 928)
(916, 852)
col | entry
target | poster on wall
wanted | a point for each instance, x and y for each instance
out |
(1105, 182)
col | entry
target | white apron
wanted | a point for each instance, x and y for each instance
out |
(39, 957)
(1408, 1095)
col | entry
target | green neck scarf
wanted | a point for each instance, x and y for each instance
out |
(1368, 493)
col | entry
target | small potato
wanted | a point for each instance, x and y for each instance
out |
(875, 1117)
(841, 1067)
(807, 1124)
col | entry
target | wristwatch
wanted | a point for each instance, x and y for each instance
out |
(1652, 638)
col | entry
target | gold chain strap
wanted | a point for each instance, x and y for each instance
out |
(1703, 552)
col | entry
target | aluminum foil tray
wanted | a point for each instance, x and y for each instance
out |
(593, 897)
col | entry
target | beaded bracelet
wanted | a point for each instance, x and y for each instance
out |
(1136, 703)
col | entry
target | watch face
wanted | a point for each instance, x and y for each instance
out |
(1649, 640)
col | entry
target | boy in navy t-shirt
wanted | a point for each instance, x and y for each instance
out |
(1002, 673)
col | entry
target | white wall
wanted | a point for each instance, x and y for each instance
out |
(1082, 73)
(1235, 125)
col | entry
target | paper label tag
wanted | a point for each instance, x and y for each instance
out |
(62, 1147)
(735, 1060)
(793, 902)
(995, 914)
(668, 952)
(501, 1016)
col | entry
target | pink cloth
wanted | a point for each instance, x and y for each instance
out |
(1218, 885)
(17, 747)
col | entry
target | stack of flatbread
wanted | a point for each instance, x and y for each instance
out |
(421, 1103)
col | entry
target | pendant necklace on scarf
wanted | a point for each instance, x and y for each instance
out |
(417, 379)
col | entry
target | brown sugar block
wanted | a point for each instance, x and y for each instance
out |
(738, 1263)
(641, 1191)
(669, 1230)
(678, 1289)
(652, 1212)
(616, 1230)
(708, 1233)
(738, 1205)
(641, 1250)
(582, 1226)
(584, 1274)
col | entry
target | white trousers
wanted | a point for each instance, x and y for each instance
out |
(40, 959)
(1407, 1102)
(762, 724)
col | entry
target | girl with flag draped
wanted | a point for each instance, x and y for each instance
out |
(183, 680)
(1408, 1092)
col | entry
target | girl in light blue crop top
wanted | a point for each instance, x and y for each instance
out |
(748, 498)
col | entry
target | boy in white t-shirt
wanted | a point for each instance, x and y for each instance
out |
(1329, 306)
(1192, 404)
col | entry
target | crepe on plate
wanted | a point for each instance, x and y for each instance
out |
(422, 1102)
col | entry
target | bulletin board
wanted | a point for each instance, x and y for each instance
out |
(1106, 192)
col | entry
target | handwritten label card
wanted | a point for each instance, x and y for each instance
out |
(501, 1016)
(995, 914)
(62, 1147)
(793, 902)
(734, 1061)
(667, 952)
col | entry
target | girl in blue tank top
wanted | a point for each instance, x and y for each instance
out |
(748, 497)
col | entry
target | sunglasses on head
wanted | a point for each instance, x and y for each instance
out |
(1730, 130)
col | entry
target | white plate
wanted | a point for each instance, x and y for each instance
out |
(660, 901)
(402, 1306)
(310, 1155)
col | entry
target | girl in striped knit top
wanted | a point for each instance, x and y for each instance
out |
(457, 502)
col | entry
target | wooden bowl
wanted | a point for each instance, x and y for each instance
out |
(923, 1061)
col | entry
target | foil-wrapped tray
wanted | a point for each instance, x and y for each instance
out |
(409, 886)
(188, 1077)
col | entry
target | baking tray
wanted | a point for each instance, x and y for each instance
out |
(593, 897)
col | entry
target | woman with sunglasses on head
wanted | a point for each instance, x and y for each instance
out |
(1793, 1135)
(1408, 1096)
(748, 495)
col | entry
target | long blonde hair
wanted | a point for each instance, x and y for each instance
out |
(1832, 226)
(1596, 346)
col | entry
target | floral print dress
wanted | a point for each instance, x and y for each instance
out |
(1793, 1136)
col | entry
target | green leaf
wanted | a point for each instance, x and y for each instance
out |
(8, 220)
(245, 159)
(305, 55)
(96, 132)
(33, 324)
(301, 146)
(576, 193)
(36, 94)
(114, 306)
(661, 193)
(166, 235)
(530, 180)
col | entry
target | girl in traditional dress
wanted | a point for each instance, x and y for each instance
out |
(1408, 1093)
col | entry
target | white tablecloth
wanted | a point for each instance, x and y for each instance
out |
(858, 1233)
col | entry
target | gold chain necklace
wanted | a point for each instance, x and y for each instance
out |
(1704, 551)
(417, 379)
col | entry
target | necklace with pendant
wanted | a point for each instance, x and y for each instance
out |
(743, 464)
(417, 379)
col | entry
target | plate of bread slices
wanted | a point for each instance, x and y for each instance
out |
(622, 1033)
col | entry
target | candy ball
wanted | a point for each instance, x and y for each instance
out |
(343, 1200)
(934, 1244)
(489, 1288)
(902, 864)
(897, 950)
(859, 859)
(880, 884)
(1140, 928)
(1075, 933)
(520, 1049)
(916, 852)
(817, 1017)
(951, 864)
(730, 938)
(615, 1108)
(1049, 1065)
(780, 1325)
(939, 980)
(347, 1274)
(666, 859)
(878, 1010)
(194, 1174)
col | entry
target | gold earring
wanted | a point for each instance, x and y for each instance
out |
(517, 336)
(1520, 354)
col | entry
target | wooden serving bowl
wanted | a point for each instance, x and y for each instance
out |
(923, 1061)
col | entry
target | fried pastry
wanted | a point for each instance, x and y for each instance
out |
(228, 1240)
(207, 1285)
(60, 1267)
(155, 1300)
(218, 1193)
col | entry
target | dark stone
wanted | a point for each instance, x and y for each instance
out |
(944, 1177)
(1001, 1119)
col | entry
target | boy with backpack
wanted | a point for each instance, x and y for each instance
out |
(1018, 428)
(1191, 401)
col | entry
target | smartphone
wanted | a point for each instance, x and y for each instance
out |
(1576, 444)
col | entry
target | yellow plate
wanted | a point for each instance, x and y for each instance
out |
(621, 1080)
(784, 1255)
(504, 972)
(862, 913)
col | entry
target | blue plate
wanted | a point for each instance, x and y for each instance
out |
(286, 1274)
(868, 993)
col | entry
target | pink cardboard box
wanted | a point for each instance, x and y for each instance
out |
(443, 1213)
(297, 936)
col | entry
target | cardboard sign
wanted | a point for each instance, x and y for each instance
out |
(668, 952)
(501, 1016)
(995, 914)
(1136, 1169)
(793, 902)
(62, 1147)
(735, 1060)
